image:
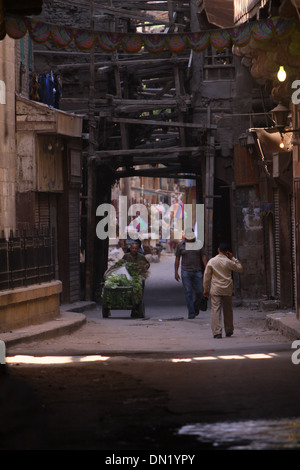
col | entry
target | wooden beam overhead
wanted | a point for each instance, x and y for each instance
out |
(145, 151)
(174, 171)
(157, 123)
(126, 63)
(125, 13)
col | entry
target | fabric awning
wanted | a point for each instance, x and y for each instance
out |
(18, 7)
(84, 39)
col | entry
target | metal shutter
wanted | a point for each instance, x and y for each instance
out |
(277, 242)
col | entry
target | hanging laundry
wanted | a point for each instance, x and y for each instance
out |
(50, 89)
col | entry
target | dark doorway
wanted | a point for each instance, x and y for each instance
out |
(222, 215)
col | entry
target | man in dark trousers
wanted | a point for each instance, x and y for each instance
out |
(193, 261)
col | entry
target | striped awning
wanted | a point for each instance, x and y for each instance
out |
(18, 7)
(84, 39)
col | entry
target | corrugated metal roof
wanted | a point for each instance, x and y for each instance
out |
(220, 12)
(245, 9)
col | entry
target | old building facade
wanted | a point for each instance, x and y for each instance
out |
(203, 115)
(40, 173)
(274, 146)
(212, 97)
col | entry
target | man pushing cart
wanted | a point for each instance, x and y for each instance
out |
(124, 284)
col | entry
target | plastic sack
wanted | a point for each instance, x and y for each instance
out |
(119, 270)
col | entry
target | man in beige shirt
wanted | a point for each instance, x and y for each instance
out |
(218, 283)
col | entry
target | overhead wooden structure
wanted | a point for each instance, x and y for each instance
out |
(134, 101)
(138, 107)
(146, 117)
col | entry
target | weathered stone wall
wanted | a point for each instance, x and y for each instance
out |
(24, 65)
(14, 78)
(7, 135)
(29, 305)
(231, 105)
(250, 243)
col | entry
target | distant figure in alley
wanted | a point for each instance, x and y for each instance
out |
(193, 261)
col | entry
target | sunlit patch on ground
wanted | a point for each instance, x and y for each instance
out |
(54, 359)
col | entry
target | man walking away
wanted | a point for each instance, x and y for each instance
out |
(218, 283)
(193, 262)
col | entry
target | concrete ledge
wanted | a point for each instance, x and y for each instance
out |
(65, 324)
(285, 323)
(30, 305)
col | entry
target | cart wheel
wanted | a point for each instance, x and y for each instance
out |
(138, 311)
(105, 312)
(134, 313)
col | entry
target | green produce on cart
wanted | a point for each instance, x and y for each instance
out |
(123, 288)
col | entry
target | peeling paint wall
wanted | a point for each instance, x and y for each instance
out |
(252, 220)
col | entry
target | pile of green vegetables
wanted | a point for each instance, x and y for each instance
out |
(117, 280)
(113, 281)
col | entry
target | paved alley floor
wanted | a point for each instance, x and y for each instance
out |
(155, 384)
(164, 329)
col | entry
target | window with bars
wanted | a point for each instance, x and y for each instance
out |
(218, 64)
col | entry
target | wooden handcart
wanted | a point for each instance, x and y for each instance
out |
(122, 298)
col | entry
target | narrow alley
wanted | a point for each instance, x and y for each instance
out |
(164, 329)
(119, 118)
(119, 384)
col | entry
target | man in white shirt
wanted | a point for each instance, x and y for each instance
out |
(218, 283)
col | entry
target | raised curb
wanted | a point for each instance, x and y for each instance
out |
(284, 322)
(68, 321)
(65, 324)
